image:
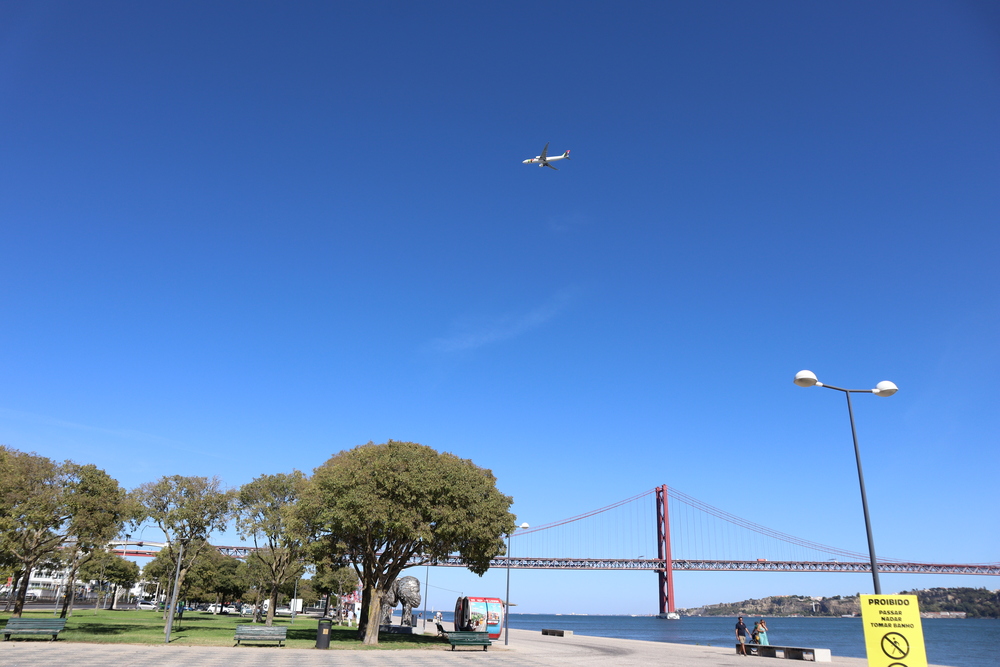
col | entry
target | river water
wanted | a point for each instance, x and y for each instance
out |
(971, 642)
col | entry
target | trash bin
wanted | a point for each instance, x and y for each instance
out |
(323, 632)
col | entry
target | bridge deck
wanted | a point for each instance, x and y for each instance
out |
(683, 564)
(680, 564)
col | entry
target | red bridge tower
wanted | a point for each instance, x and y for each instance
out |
(666, 573)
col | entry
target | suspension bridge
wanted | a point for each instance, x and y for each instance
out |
(664, 530)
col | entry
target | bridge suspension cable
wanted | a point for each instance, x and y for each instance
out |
(701, 533)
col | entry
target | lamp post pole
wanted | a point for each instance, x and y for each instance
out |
(506, 602)
(884, 388)
(427, 592)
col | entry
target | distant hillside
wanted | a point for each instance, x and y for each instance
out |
(975, 602)
(781, 605)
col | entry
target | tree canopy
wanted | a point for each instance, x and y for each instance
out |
(338, 581)
(105, 567)
(44, 504)
(265, 512)
(187, 510)
(217, 577)
(386, 507)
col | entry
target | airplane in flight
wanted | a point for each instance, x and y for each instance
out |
(543, 159)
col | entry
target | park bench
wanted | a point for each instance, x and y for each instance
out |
(788, 652)
(469, 639)
(34, 626)
(556, 633)
(260, 633)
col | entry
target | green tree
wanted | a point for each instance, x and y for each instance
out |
(213, 577)
(265, 512)
(303, 589)
(187, 510)
(44, 504)
(107, 568)
(99, 508)
(217, 577)
(160, 570)
(34, 513)
(335, 581)
(388, 507)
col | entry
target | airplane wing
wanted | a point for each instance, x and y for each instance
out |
(544, 151)
(546, 164)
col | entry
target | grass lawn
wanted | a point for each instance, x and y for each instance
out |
(204, 629)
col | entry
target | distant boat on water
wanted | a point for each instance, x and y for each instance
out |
(670, 616)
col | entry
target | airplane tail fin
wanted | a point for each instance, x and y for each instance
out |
(566, 155)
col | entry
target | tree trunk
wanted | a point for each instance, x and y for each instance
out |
(258, 603)
(363, 614)
(272, 603)
(16, 583)
(22, 590)
(180, 585)
(69, 596)
(72, 600)
(373, 618)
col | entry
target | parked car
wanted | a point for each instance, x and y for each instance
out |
(283, 611)
(246, 610)
(147, 605)
(215, 609)
(230, 609)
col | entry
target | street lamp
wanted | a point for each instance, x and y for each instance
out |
(427, 592)
(884, 388)
(506, 602)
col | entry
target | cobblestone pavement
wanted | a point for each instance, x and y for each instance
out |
(526, 649)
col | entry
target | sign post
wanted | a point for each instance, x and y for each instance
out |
(893, 634)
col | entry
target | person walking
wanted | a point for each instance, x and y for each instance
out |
(741, 635)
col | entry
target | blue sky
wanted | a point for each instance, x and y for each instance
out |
(240, 237)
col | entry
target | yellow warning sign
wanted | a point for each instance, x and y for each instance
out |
(893, 634)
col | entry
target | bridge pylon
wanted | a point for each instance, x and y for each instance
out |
(665, 575)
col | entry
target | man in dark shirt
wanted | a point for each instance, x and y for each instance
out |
(741, 635)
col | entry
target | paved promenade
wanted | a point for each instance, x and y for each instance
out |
(526, 649)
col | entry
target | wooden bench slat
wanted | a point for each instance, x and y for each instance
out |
(264, 631)
(37, 622)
